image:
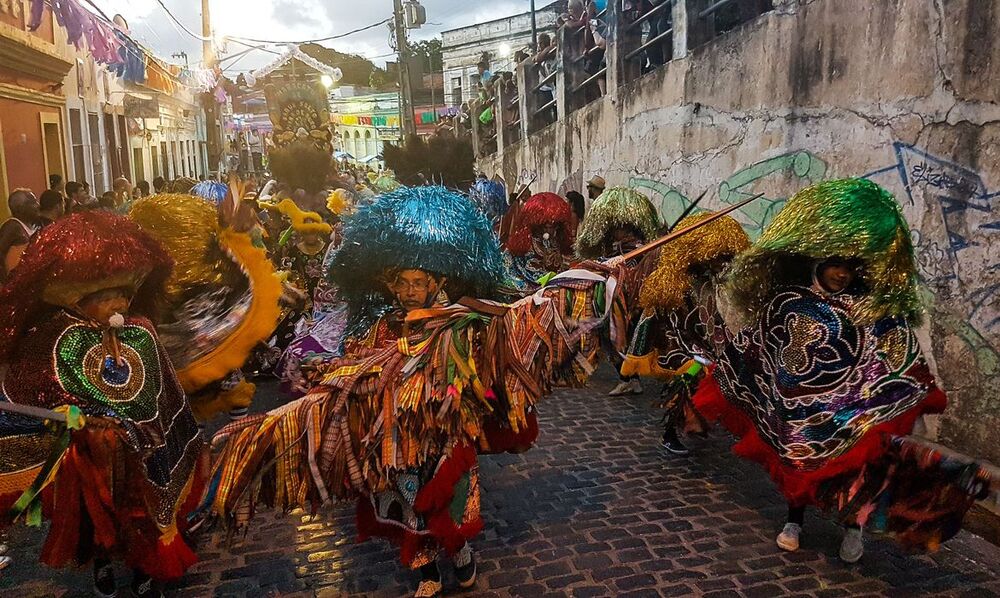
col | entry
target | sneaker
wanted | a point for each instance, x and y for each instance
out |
(853, 546)
(627, 387)
(673, 445)
(430, 582)
(465, 567)
(104, 580)
(788, 539)
(5, 562)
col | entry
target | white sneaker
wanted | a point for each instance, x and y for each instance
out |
(788, 539)
(627, 387)
(5, 562)
(852, 546)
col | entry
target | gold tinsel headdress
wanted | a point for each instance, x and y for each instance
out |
(666, 286)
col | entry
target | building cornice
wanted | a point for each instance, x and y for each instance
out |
(32, 96)
(25, 53)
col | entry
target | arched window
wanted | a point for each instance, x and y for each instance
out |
(369, 143)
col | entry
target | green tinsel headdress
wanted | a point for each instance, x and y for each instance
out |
(616, 207)
(847, 218)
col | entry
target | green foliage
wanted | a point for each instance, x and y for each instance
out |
(357, 70)
(429, 49)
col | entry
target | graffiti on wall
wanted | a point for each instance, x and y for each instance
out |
(954, 254)
(801, 166)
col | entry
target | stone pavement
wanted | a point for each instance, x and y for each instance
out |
(595, 509)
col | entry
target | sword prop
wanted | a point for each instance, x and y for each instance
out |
(687, 211)
(680, 233)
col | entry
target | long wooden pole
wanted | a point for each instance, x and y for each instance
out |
(35, 412)
(671, 236)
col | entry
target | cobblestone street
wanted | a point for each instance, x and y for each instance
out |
(595, 509)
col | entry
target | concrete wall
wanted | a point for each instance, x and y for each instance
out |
(904, 92)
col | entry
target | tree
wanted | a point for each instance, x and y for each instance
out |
(357, 70)
(429, 49)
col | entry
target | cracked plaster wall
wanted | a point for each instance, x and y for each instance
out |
(903, 91)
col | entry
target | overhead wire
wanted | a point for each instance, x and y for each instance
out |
(311, 41)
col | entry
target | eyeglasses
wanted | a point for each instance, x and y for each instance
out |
(400, 286)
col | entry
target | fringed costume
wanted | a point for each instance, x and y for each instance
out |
(490, 197)
(621, 220)
(818, 383)
(117, 488)
(221, 301)
(399, 420)
(541, 240)
(681, 313)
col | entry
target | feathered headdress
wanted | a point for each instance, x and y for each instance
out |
(539, 210)
(666, 286)
(616, 207)
(427, 228)
(490, 197)
(846, 218)
(75, 257)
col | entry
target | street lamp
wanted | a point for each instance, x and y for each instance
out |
(327, 81)
(504, 50)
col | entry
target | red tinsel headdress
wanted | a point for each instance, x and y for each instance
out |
(539, 210)
(77, 256)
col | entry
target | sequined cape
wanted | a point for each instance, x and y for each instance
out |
(139, 455)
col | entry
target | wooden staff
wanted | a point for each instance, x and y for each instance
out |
(671, 236)
(35, 412)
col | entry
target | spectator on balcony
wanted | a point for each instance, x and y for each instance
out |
(597, 45)
(659, 53)
(545, 61)
(574, 17)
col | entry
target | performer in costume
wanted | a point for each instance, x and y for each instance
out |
(74, 330)
(490, 196)
(541, 240)
(399, 420)
(299, 254)
(319, 336)
(221, 301)
(620, 220)
(827, 374)
(681, 312)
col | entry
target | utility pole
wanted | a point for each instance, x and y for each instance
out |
(207, 51)
(406, 117)
(534, 28)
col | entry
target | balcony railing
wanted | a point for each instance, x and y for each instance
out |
(638, 37)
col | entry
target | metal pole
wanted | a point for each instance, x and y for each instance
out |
(405, 92)
(534, 28)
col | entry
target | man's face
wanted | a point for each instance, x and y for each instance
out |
(835, 277)
(100, 306)
(414, 289)
(79, 196)
(593, 192)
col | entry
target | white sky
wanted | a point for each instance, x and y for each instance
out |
(294, 20)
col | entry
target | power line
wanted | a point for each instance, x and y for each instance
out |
(311, 41)
(182, 25)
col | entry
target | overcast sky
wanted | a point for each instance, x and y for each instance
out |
(294, 20)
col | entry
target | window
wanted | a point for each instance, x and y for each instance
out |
(76, 140)
(456, 91)
(173, 159)
(96, 155)
(123, 147)
(164, 161)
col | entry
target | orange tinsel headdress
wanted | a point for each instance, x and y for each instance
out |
(77, 256)
(539, 210)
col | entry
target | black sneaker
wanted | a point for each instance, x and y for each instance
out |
(143, 586)
(104, 579)
(673, 445)
(465, 567)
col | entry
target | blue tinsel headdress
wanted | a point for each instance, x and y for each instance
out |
(213, 191)
(490, 197)
(430, 228)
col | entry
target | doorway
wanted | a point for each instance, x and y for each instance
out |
(52, 145)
